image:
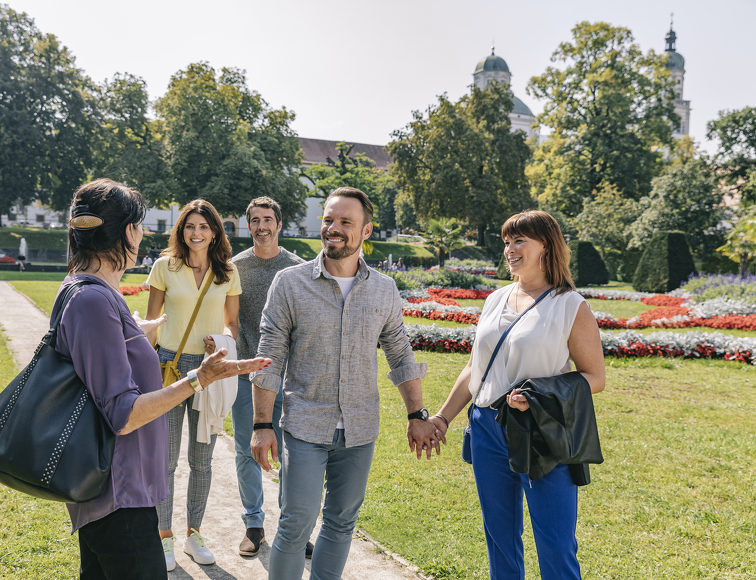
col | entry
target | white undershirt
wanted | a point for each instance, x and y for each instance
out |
(345, 284)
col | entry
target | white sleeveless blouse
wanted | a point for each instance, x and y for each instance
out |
(536, 347)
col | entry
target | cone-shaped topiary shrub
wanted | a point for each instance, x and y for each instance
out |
(502, 272)
(666, 263)
(586, 264)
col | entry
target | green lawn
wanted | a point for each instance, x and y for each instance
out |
(619, 308)
(670, 501)
(35, 538)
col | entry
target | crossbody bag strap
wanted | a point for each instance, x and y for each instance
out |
(205, 288)
(504, 337)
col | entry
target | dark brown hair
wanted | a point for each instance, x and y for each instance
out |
(118, 208)
(354, 193)
(538, 225)
(219, 251)
(267, 203)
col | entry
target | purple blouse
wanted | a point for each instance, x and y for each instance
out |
(117, 364)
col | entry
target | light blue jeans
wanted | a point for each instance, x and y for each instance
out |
(346, 474)
(248, 471)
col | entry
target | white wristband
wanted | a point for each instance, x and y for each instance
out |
(194, 381)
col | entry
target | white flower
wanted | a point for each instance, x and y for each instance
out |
(613, 294)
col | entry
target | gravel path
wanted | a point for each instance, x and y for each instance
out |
(24, 325)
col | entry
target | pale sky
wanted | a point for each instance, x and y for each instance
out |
(355, 70)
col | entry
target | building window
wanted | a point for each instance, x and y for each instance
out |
(11, 217)
(302, 232)
(230, 228)
(161, 227)
(40, 218)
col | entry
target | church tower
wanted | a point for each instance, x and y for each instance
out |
(676, 66)
(494, 68)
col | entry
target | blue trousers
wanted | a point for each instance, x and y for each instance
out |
(346, 474)
(248, 471)
(552, 502)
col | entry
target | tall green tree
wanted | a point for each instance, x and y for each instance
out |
(131, 148)
(605, 219)
(48, 116)
(736, 158)
(461, 160)
(225, 144)
(610, 109)
(686, 198)
(741, 241)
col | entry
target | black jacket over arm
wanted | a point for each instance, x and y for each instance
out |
(559, 427)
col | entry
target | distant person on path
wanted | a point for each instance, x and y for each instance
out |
(147, 262)
(197, 251)
(327, 316)
(257, 267)
(558, 330)
(118, 531)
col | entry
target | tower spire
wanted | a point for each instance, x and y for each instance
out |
(671, 37)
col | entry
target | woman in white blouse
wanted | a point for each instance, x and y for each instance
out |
(559, 330)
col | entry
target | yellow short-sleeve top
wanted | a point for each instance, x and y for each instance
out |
(181, 295)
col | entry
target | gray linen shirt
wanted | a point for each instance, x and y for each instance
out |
(255, 276)
(331, 343)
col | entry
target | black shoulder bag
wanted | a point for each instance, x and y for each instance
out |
(54, 442)
(467, 436)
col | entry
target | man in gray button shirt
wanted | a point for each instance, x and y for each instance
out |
(328, 315)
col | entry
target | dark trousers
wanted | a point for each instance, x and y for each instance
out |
(124, 545)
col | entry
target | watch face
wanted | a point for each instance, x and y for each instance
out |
(424, 414)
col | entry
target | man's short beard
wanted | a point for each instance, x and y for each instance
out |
(341, 253)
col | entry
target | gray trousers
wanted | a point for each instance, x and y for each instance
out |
(200, 455)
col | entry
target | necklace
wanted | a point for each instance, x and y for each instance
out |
(519, 288)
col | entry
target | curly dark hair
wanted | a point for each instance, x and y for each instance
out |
(219, 251)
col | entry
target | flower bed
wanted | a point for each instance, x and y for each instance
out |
(663, 300)
(460, 293)
(602, 294)
(133, 290)
(437, 299)
(435, 311)
(622, 344)
(708, 286)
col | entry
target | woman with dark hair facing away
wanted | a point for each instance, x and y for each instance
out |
(557, 330)
(197, 253)
(118, 531)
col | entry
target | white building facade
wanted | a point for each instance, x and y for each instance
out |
(676, 66)
(494, 68)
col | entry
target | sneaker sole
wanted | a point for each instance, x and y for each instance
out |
(197, 561)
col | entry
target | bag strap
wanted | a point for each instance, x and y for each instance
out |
(51, 337)
(504, 337)
(205, 288)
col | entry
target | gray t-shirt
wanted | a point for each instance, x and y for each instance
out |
(256, 276)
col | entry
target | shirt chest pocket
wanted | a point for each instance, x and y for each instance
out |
(372, 321)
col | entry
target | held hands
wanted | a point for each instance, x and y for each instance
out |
(148, 326)
(209, 344)
(516, 400)
(215, 367)
(424, 436)
(264, 440)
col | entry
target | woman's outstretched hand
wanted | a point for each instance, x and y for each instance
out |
(148, 326)
(215, 367)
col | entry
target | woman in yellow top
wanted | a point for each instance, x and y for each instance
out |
(197, 249)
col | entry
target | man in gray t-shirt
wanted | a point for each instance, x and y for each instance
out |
(257, 267)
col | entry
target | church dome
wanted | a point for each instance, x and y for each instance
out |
(520, 108)
(492, 62)
(675, 61)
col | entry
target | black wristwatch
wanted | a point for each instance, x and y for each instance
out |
(422, 414)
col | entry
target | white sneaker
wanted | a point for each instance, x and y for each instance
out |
(170, 560)
(194, 545)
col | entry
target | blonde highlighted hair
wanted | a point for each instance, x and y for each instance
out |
(538, 225)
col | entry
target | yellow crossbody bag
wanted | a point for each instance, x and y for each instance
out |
(169, 369)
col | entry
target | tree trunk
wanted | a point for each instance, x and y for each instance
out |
(441, 258)
(743, 270)
(481, 235)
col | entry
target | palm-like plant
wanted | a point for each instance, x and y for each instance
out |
(443, 236)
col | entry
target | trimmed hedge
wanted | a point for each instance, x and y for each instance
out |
(586, 266)
(665, 265)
